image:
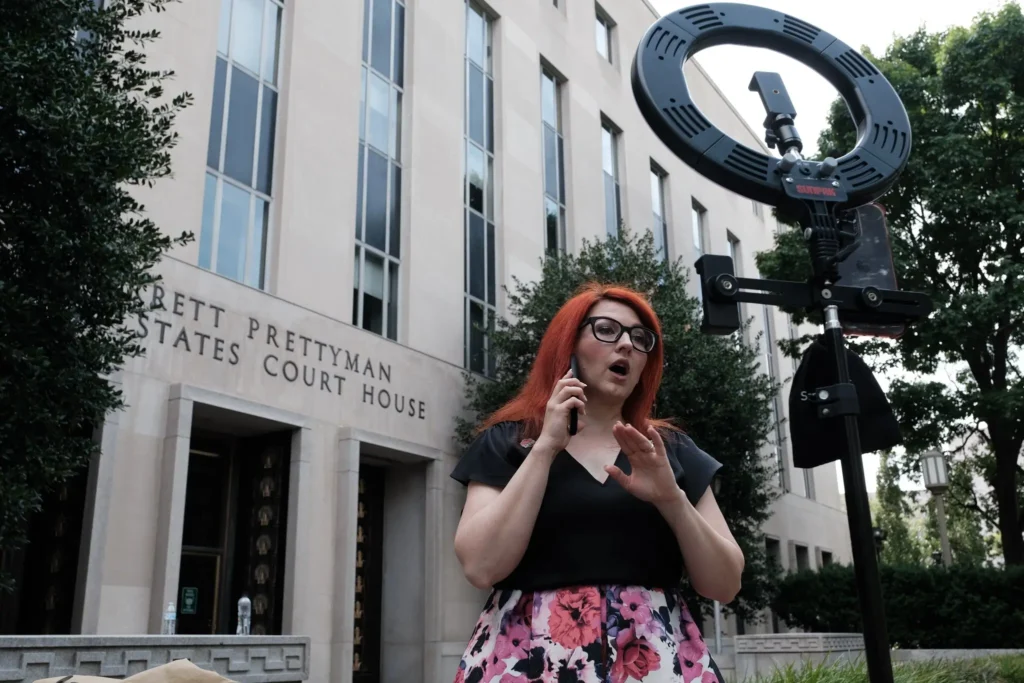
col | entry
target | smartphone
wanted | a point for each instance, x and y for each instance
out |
(870, 266)
(574, 413)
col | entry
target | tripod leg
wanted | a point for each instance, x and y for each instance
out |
(865, 563)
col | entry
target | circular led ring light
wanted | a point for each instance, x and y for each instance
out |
(660, 89)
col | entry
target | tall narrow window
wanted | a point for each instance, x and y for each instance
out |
(698, 218)
(768, 353)
(659, 226)
(375, 291)
(603, 33)
(737, 268)
(480, 277)
(240, 153)
(698, 221)
(610, 162)
(734, 254)
(554, 166)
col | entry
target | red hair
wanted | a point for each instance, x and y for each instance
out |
(559, 343)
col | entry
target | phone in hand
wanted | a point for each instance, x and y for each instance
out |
(574, 416)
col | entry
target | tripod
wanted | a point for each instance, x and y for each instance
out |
(822, 196)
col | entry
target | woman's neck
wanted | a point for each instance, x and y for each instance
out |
(601, 417)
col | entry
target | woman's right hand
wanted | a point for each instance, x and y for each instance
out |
(567, 394)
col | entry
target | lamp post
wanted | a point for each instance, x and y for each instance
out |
(936, 480)
(879, 535)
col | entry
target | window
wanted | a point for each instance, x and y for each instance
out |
(480, 296)
(737, 268)
(826, 558)
(610, 163)
(86, 36)
(803, 558)
(375, 288)
(659, 225)
(603, 33)
(698, 227)
(734, 254)
(757, 208)
(554, 163)
(768, 353)
(698, 218)
(240, 153)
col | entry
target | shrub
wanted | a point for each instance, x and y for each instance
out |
(1005, 669)
(925, 607)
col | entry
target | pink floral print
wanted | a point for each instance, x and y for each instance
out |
(586, 634)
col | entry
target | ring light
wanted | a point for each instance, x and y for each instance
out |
(660, 89)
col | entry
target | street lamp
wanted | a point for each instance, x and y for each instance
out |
(879, 535)
(936, 480)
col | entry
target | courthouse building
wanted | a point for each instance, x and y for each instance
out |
(362, 177)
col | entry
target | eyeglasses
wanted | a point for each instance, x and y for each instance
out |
(610, 331)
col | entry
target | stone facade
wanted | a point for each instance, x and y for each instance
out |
(283, 359)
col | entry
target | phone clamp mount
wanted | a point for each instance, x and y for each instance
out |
(822, 196)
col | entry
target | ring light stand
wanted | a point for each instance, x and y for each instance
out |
(822, 196)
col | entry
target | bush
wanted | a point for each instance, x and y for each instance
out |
(1005, 669)
(925, 607)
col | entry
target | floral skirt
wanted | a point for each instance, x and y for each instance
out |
(586, 634)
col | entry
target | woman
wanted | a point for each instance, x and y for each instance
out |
(584, 538)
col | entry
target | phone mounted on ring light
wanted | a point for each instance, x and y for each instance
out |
(825, 197)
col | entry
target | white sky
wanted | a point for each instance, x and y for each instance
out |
(866, 23)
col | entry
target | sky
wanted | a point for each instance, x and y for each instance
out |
(866, 23)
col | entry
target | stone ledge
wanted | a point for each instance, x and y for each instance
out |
(799, 642)
(246, 659)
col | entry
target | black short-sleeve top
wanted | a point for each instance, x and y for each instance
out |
(588, 532)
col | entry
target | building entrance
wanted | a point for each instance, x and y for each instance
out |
(366, 659)
(234, 534)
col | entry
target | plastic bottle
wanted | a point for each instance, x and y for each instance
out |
(170, 620)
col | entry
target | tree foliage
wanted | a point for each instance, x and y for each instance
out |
(956, 220)
(910, 522)
(968, 542)
(712, 386)
(82, 121)
(893, 514)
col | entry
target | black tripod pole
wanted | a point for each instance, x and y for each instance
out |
(876, 635)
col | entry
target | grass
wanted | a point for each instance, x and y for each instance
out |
(1002, 669)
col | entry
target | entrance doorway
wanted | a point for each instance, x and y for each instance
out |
(366, 660)
(233, 538)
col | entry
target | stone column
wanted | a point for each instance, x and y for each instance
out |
(433, 573)
(298, 550)
(171, 515)
(346, 509)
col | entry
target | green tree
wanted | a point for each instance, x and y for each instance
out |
(82, 121)
(892, 514)
(713, 387)
(956, 219)
(967, 541)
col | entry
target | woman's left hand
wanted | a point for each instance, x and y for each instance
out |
(651, 479)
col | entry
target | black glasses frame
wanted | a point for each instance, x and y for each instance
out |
(622, 328)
